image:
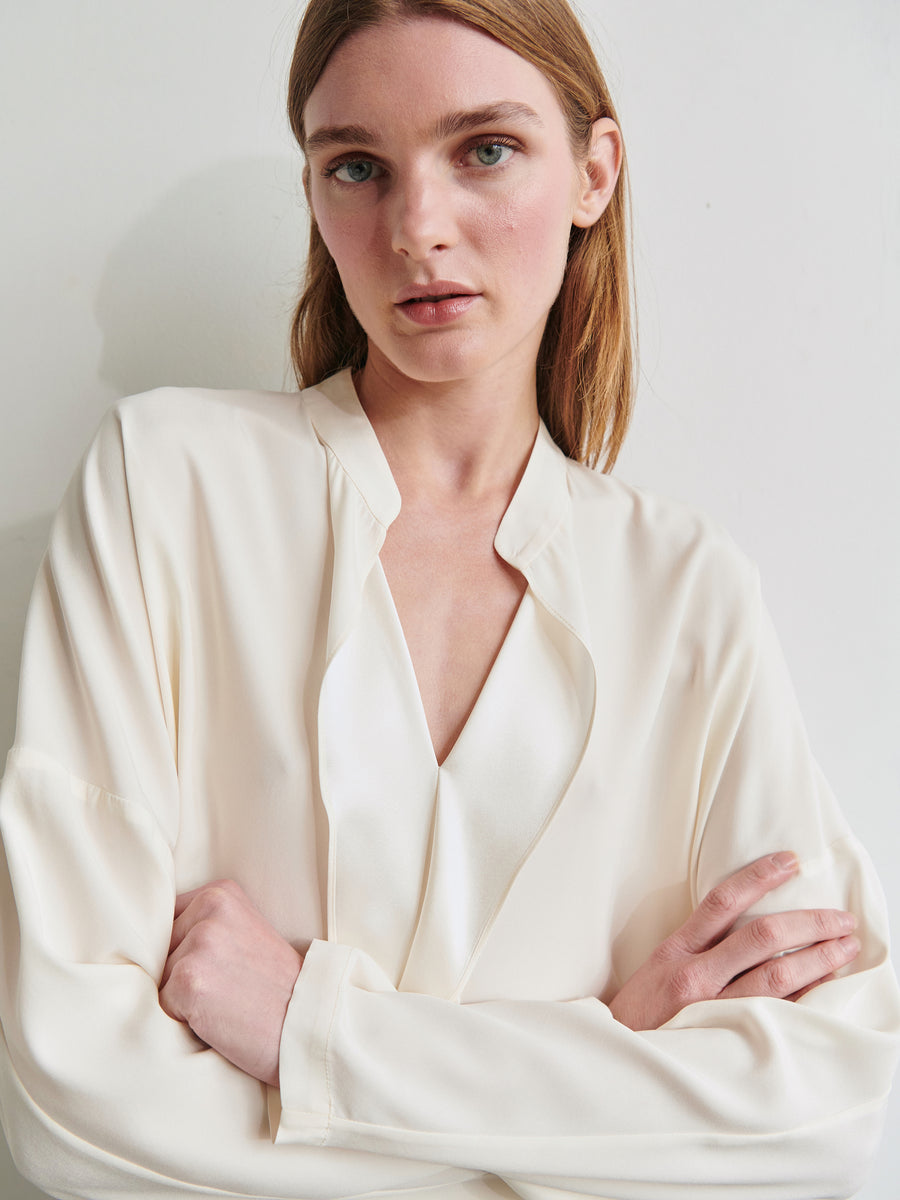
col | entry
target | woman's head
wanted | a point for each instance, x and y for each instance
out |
(584, 362)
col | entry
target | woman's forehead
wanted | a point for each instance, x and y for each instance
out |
(425, 73)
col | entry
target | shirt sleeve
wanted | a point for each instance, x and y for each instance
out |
(772, 1099)
(383, 1092)
(102, 1094)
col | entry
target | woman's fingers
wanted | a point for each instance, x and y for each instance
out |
(773, 935)
(794, 996)
(210, 902)
(230, 976)
(190, 907)
(730, 899)
(781, 955)
(793, 975)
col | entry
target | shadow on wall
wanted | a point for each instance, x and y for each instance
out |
(200, 290)
(21, 548)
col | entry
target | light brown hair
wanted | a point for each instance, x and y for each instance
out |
(585, 365)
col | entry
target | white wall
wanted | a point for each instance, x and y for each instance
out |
(151, 233)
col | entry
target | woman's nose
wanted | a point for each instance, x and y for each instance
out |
(423, 217)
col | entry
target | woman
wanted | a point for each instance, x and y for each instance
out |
(433, 740)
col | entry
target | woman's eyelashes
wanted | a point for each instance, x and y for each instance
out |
(353, 170)
(495, 152)
(486, 153)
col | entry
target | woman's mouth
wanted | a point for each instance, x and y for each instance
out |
(436, 304)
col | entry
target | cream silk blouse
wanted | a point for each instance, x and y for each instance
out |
(215, 684)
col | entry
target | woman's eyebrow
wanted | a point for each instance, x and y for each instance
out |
(338, 135)
(447, 126)
(490, 114)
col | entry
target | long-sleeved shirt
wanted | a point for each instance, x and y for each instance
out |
(215, 684)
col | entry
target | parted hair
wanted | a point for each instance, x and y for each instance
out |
(586, 361)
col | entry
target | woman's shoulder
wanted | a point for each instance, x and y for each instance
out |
(174, 457)
(642, 513)
(659, 539)
(171, 432)
(174, 414)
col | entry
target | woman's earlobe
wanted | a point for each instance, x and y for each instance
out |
(600, 173)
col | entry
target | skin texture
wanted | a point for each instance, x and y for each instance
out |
(430, 209)
(402, 198)
(705, 960)
(229, 976)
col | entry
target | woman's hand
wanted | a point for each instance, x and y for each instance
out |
(706, 959)
(229, 976)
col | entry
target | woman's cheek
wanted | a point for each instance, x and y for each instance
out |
(539, 233)
(337, 235)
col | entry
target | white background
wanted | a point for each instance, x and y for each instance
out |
(151, 232)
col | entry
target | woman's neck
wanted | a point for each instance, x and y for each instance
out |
(451, 442)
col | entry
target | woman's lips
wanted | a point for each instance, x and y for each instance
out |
(437, 310)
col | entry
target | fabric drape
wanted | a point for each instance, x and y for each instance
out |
(215, 685)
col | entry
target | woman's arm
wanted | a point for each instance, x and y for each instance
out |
(105, 1094)
(229, 975)
(781, 1099)
(102, 1093)
(777, 1098)
(556, 1097)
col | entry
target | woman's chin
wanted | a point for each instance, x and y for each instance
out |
(441, 360)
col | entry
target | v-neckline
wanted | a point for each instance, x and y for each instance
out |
(409, 667)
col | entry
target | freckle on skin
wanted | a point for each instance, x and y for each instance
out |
(507, 238)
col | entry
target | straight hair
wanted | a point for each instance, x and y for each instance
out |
(586, 361)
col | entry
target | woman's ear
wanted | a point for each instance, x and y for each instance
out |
(599, 172)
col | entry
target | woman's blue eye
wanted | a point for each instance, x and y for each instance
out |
(492, 153)
(360, 170)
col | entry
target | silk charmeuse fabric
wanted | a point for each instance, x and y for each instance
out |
(215, 684)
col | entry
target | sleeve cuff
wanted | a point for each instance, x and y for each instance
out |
(300, 1111)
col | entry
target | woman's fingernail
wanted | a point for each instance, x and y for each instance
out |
(852, 945)
(848, 920)
(786, 861)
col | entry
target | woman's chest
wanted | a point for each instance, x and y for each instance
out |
(455, 600)
(511, 869)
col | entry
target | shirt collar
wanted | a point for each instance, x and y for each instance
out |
(342, 425)
(536, 509)
(535, 535)
(539, 506)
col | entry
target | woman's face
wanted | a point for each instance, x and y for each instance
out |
(443, 183)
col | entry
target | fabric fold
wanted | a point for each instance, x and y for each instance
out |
(497, 791)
